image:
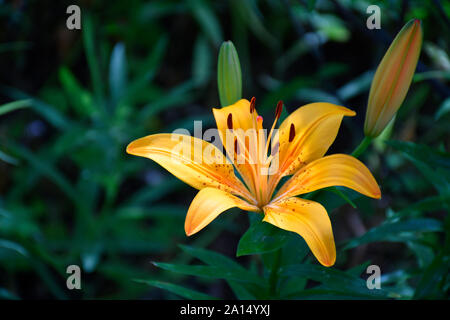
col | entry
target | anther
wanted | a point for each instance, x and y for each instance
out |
(230, 121)
(252, 104)
(291, 132)
(279, 109)
(236, 147)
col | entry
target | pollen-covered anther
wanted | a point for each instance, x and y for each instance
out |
(291, 132)
(230, 121)
(252, 104)
(236, 147)
(279, 109)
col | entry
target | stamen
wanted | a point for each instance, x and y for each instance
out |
(291, 132)
(275, 149)
(278, 110)
(230, 121)
(236, 147)
(259, 121)
(252, 104)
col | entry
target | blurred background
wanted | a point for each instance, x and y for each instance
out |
(69, 194)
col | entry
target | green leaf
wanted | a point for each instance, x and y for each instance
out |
(432, 203)
(341, 194)
(49, 112)
(216, 259)
(333, 279)
(202, 62)
(393, 231)
(80, 99)
(207, 20)
(433, 279)
(213, 258)
(178, 290)
(424, 253)
(117, 72)
(93, 61)
(10, 245)
(356, 86)
(15, 105)
(443, 109)
(433, 164)
(45, 168)
(261, 237)
(148, 69)
(433, 157)
(7, 295)
(8, 159)
(213, 272)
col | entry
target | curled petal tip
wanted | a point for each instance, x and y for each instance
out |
(328, 263)
(129, 148)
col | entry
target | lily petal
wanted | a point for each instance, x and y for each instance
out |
(310, 220)
(243, 126)
(194, 161)
(307, 133)
(242, 118)
(208, 204)
(335, 170)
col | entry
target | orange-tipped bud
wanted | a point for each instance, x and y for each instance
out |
(393, 78)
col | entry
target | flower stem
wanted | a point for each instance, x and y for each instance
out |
(273, 278)
(362, 146)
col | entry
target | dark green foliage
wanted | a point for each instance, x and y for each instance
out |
(71, 101)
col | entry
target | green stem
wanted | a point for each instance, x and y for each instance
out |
(362, 146)
(273, 279)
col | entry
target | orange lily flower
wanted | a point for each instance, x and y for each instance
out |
(298, 149)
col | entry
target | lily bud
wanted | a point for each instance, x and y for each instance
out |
(229, 77)
(393, 78)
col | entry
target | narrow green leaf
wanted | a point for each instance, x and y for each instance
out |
(202, 62)
(50, 113)
(15, 105)
(334, 279)
(93, 61)
(261, 237)
(443, 109)
(209, 272)
(7, 295)
(8, 159)
(79, 98)
(212, 258)
(178, 290)
(392, 231)
(433, 164)
(10, 245)
(433, 157)
(341, 194)
(433, 279)
(117, 72)
(207, 20)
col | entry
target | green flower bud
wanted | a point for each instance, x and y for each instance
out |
(229, 77)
